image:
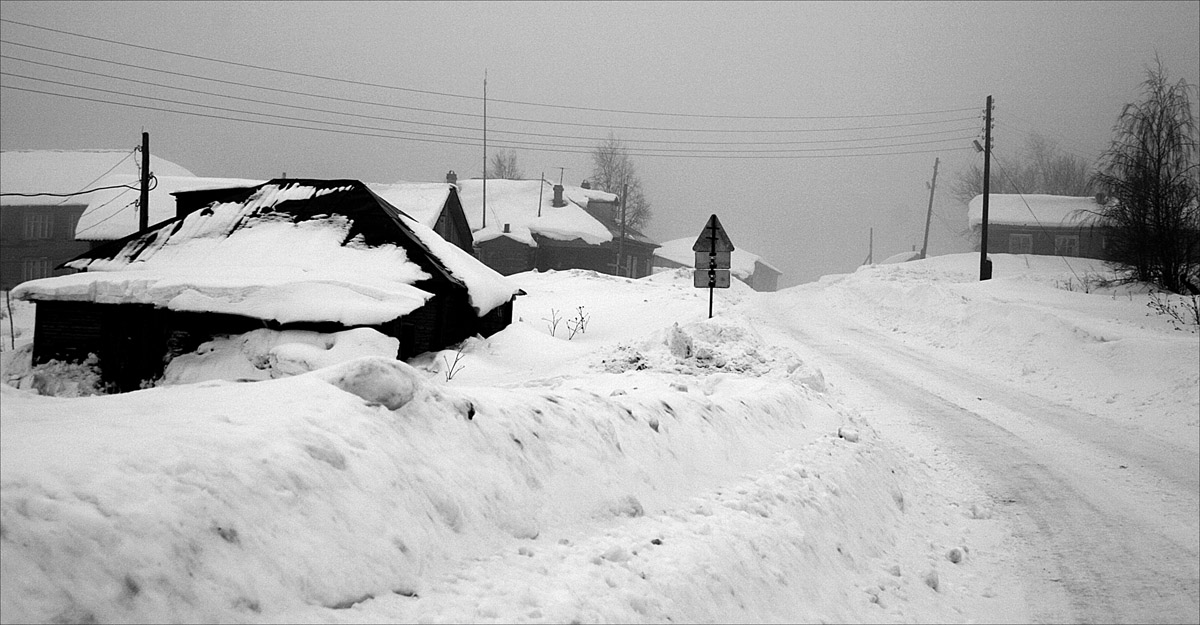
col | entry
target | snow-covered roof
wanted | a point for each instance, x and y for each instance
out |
(741, 262)
(113, 213)
(1019, 210)
(423, 201)
(70, 171)
(515, 203)
(280, 255)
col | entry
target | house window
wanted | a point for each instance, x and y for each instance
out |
(34, 268)
(1066, 245)
(39, 225)
(1020, 244)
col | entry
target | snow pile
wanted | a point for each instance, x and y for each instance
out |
(1064, 330)
(659, 465)
(267, 354)
(224, 501)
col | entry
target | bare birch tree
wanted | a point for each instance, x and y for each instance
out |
(1152, 173)
(612, 169)
(504, 165)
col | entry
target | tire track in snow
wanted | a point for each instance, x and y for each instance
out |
(1107, 542)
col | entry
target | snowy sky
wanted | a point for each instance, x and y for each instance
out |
(1060, 69)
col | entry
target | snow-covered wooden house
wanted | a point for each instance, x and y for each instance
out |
(319, 255)
(1039, 224)
(745, 266)
(533, 224)
(37, 232)
(435, 205)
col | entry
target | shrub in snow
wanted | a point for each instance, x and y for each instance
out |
(1183, 311)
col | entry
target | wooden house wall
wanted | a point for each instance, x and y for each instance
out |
(1091, 239)
(506, 256)
(129, 340)
(55, 250)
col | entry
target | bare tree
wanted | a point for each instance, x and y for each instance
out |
(504, 165)
(612, 169)
(1152, 173)
(1040, 167)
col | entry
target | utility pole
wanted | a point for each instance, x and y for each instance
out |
(929, 214)
(541, 187)
(484, 148)
(144, 214)
(985, 265)
(621, 242)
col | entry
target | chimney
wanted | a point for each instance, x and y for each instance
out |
(585, 184)
(558, 201)
(507, 229)
(451, 177)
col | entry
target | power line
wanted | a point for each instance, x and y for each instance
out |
(494, 117)
(533, 149)
(454, 127)
(472, 97)
(118, 186)
(507, 142)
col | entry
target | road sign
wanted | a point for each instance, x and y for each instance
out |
(713, 253)
(711, 278)
(710, 260)
(713, 238)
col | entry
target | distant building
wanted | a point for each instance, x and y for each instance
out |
(1049, 225)
(533, 224)
(745, 266)
(37, 232)
(319, 255)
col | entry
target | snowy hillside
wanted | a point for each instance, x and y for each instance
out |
(614, 455)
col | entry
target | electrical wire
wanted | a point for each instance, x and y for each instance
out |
(119, 186)
(492, 117)
(453, 127)
(402, 134)
(473, 97)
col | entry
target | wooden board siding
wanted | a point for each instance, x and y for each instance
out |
(1091, 240)
(506, 256)
(129, 340)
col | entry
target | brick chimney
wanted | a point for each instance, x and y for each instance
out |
(558, 201)
(451, 177)
(585, 184)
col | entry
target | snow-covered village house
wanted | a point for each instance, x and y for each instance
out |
(534, 224)
(745, 266)
(37, 232)
(1049, 225)
(317, 255)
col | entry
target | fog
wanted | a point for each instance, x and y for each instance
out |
(865, 95)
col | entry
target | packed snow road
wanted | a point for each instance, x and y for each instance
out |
(1104, 513)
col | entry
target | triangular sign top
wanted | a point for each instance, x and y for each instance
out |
(713, 238)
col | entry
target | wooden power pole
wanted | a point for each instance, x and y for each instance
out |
(985, 265)
(144, 213)
(929, 213)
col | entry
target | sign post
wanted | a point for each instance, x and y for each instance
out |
(714, 253)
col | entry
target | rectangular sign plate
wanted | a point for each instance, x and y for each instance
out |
(706, 261)
(715, 278)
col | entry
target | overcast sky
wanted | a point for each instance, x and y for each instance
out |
(864, 97)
